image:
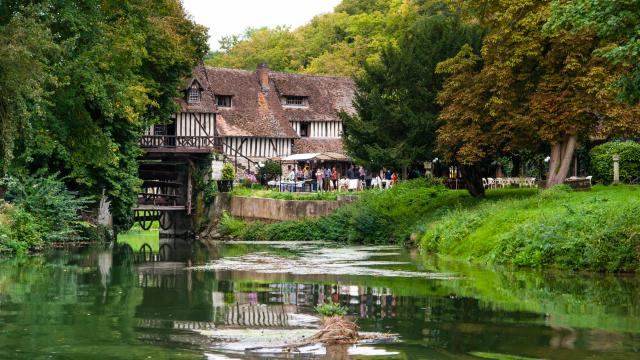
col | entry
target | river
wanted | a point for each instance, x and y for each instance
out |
(212, 302)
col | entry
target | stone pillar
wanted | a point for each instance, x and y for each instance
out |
(616, 169)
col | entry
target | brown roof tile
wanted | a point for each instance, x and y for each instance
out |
(259, 113)
(310, 145)
(207, 102)
(327, 95)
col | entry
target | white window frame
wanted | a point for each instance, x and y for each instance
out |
(194, 95)
(295, 101)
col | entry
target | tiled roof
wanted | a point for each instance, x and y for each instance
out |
(312, 145)
(327, 95)
(258, 112)
(207, 101)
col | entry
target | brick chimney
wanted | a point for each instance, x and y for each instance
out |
(263, 76)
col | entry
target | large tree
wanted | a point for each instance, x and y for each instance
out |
(116, 70)
(397, 113)
(617, 23)
(526, 88)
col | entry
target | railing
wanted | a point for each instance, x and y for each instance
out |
(170, 141)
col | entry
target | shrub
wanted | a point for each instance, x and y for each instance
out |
(49, 204)
(270, 170)
(602, 163)
(228, 172)
(331, 309)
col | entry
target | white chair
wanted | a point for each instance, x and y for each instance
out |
(485, 183)
(353, 184)
(589, 178)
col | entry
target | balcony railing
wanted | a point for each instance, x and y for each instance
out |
(178, 142)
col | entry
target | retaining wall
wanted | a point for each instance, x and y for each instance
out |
(250, 208)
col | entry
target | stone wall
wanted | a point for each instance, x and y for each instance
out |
(250, 208)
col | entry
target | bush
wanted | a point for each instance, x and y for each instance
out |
(42, 210)
(602, 163)
(331, 309)
(270, 170)
(228, 172)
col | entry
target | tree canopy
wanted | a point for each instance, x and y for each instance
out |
(338, 43)
(80, 80)
(396, 98)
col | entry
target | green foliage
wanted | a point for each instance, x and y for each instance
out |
(382, 217)
(594, 230)
(270, 170)
(331, 309)
(54, 210)
(602, 161)
(618, 25)
(279, 195)
(338, 43)
(397, 112)
(85, 79)
(228, 172)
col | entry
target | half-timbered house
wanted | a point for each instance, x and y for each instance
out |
(256, 114)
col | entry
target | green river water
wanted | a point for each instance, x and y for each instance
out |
(213, 302)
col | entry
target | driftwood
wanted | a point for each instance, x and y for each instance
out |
(335, 330)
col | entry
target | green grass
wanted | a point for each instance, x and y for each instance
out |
(379, 216)
(272, 194)
(596, 230)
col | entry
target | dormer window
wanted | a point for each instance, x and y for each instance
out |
(298, 101)
(223, 101)
(194, 94)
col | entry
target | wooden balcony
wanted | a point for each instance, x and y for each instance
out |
(180, 144)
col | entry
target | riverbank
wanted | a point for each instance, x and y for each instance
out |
(595, 230)
(378, 217)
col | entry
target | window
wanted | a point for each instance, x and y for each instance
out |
(304, 129)
(223, 100)
(159, 130)
(194, 95)
(295, 101)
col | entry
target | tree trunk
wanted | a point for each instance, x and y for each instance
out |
(517, 166)
(472, 177)
(561, 157)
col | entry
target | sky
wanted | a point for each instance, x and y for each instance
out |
(228, 17)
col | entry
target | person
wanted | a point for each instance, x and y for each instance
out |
(350, 172)
(327, 179)
(334, 178)
(292, 175)
(394, 178)
(362, 173)
(319, 176)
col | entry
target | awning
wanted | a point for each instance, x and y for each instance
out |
(326, 156)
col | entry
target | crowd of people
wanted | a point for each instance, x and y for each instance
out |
(328, 178)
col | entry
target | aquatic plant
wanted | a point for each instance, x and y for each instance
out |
(331, 309)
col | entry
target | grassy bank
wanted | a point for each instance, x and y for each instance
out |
(595, 230)
(379, 216)
(271, 194)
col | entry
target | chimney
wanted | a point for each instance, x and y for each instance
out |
(263, 76)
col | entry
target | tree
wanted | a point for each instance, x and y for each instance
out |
(117, 70)
(525, 89)
(396, 100)
(615, 22)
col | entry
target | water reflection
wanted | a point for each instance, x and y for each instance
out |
(69, 304)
